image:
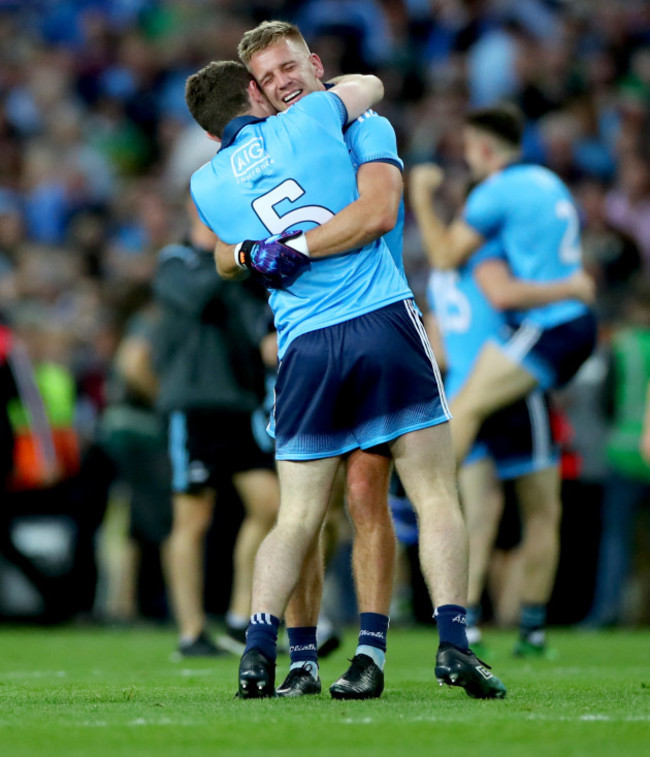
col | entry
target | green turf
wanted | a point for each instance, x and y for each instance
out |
(98, 692)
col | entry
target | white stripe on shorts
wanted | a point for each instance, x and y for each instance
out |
(539, 427)
(522, 342)
(419, 326)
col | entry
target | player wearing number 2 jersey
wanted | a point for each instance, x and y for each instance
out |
(514, 443)
(356, 369)
(529, 212)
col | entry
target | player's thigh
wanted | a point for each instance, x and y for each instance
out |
(193, 511)
(481, 495)
(259, 491)
(496, 381)
(538, 495)
(424, 460)
(305, 491)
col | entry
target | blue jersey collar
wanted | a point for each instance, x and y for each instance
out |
(235, 126)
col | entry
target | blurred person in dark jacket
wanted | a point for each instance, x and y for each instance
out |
(133, 435)
(211, 380)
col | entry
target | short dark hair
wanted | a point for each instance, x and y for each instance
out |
(218, 93)
(506, 122)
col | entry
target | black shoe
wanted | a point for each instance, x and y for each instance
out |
(328, 645)
(457, 668)
(256, 676)
(202, 646)
(299, 683)
(362, 680)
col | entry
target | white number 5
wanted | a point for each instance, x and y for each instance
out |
(290, 190)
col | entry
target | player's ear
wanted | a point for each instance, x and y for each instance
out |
(260, 104)
(255, 93)
(317, 65)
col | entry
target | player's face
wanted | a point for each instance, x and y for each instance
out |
(286, 71)
(476, 152)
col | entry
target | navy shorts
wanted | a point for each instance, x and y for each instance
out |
(553, 356)
(208, 446)
(518, 439)
(357, 384)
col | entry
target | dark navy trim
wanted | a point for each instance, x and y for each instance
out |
(392, 162)
(234, 126)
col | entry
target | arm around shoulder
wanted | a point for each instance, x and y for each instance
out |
(358, 93)
(367, 218)
(505, 292)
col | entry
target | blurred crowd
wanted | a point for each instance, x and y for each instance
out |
(97, 148)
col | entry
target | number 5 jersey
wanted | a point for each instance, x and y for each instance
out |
(294, 171)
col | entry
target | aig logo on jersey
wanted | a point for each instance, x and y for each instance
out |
(249, 159)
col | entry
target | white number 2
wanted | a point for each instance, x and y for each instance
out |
(570, 252)
(264, 207)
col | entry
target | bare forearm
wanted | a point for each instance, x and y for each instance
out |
(517, 294)
(445, 246)
(506, 292)
(355, 226)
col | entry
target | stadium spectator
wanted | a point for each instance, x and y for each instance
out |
(609, 255)
(628, 203)
(133, 435)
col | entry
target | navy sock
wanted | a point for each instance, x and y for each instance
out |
(262, 634)
(452, 622)
(372, 637)
(302, 644)
(532, 619)
(373, 630)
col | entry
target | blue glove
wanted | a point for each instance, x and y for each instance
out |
(271, 260)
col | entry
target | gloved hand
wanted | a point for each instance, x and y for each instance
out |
(277, 261)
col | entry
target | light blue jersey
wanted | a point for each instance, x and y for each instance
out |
(465, 317)
(517, 438)
(530, 212)
(371, 138)
(293, 171)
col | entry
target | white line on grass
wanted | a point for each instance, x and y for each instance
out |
(35, 674)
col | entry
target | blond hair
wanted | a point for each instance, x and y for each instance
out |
(264, 35)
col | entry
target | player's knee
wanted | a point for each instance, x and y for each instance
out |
(367, 501)
(296, 531)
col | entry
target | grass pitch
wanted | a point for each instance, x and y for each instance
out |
(66, 691)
